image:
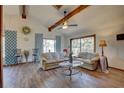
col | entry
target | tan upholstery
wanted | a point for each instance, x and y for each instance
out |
(90, 60)
(52, 60)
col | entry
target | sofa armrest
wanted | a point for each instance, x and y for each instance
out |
(44, 59)
(95, 59)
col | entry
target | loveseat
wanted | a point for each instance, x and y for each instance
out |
(90, 60)
(52, 60)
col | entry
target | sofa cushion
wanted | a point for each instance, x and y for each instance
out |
(57, 55)
(44, 55)
(79, 59)
(60, 60)
(90, 55)
(86, 61)
(51, 61)
(95, 58)
(83, 60)
(82, 55)
(47, 55)
(54, 55)
(63, 59)
(66, 59)
(61, 55)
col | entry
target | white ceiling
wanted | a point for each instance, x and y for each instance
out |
(93, 17)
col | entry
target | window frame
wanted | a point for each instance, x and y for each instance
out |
(94, 36)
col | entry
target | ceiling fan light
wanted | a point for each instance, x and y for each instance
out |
(65, 23)
(64, 27)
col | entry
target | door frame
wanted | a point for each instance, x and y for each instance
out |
(1, 30)
(94, 35)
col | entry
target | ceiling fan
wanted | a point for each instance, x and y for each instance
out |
(65, 24)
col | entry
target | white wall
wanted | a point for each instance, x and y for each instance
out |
(115, 49)
(16, 23)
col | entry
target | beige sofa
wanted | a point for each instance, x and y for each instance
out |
(90, 60)
(52, 60)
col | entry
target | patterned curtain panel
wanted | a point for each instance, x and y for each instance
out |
(58, 43)
(10, 47)
(39, 44)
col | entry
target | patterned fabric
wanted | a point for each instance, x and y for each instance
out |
(53, 55)
(58, 43)
(86, 55)
(39, 44)
(10, 47)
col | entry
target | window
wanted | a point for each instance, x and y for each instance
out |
(83, 44)
(48, 45)
(3, 47)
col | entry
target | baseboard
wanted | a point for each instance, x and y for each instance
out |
(16, 64)
(116, 68)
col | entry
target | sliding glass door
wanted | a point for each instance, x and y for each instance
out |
(83, 44)
(87, 44)
(76, 46)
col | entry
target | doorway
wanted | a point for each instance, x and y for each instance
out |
(1, 70)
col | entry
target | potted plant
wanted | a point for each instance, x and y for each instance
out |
(26, 54)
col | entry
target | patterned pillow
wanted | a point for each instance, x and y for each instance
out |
(47, 56)
(91, 55)
(57, 55)
(54, 55)
(61, 55)
(82, 55)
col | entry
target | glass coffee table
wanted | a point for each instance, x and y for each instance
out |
(69, 68)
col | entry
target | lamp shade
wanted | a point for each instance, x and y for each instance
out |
(102, 43)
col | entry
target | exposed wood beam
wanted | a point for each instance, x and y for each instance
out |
(68, 16)
(57, 6)
(24, 12)
(1, 69)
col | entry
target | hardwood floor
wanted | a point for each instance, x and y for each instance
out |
(30, 76)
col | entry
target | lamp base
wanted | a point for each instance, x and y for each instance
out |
(102, 52)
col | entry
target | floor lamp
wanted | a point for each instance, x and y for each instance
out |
(102, 44)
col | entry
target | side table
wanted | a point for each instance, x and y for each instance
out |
(104, 64)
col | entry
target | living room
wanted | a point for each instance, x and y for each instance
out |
(89, 31)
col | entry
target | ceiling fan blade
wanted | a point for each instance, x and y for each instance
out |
(73, 25)
(59, 28)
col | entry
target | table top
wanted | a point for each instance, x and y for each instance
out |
(73, 64)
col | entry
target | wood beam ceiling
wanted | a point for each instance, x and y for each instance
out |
(68, 16)
(24, 12)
